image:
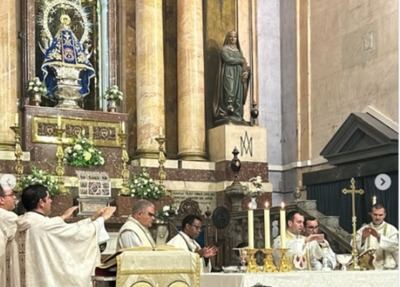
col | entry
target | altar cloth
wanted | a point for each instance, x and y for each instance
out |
(170, 268)
(386, 278)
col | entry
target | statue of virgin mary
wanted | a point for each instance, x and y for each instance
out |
(66, 68)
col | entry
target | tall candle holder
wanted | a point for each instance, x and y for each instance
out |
(60, 170)
(19, 168)
(269, 265)
(353, 191)
(124, 160)
(161, 159)
(252, 266)
(285, 265)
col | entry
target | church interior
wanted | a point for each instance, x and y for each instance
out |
(307, 119)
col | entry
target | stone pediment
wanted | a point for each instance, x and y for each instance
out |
(361, 137)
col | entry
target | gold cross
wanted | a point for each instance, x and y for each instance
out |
(353, 192)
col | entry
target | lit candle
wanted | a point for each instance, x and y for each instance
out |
(374, 200)
(250, 227)
(16, 119)
(267, 239)
(123, 127)
(58, 121)
(282, 217)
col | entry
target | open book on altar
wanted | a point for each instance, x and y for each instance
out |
(366, 259)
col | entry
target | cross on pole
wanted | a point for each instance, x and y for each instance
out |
(353, 191)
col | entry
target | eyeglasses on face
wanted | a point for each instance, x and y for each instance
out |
(151, 214)
(198, 227)
(10, 194)
(312, 227)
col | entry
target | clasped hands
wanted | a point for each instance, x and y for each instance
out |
(367, 231)
(207, 251)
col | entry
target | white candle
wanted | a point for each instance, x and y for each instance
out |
(374, 200)
(282, 217)
(250, 227)
(267, 239)
(58, 121)
(16, 119)
(161, 131)
(123, 127)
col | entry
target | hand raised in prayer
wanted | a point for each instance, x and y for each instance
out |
(98, 213)
(108, 212)
(367, 231)
(69, 212)
(208, 251)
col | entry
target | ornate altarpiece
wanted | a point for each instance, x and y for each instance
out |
(90, 21)
(93, 23)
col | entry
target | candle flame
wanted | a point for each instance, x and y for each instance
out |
(266, 204)
(282, 205)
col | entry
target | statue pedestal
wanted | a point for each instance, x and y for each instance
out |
(102, 128)
(251, 142)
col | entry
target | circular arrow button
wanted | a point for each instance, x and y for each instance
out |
(383, 181)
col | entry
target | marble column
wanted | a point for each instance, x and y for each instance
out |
(191, 117)
(9, 79)
(149, 76)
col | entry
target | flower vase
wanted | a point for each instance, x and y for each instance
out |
(112, 106)
(162, 232)
(36, 99)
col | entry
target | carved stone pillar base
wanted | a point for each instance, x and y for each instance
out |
(251, 143)
(235, 194)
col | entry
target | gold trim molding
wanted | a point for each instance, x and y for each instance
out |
(101, 133)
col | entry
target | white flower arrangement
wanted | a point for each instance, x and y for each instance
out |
(39, 176)
(144, 187)
(82, 153)
(113, 94)
(255, 186)
(165, 213)
(35, 86)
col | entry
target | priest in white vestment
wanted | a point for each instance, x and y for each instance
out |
(319, 252)
(135, 231)
(380, 236)
(186, 240)
(57, 253)
(296, 243)
(9, 265)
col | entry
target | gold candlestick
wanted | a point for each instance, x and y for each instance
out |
(269, 265)
(60, 156)
(251, 260)
(285, 265)
(124, 161)
(19, 168)
(161, 159)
